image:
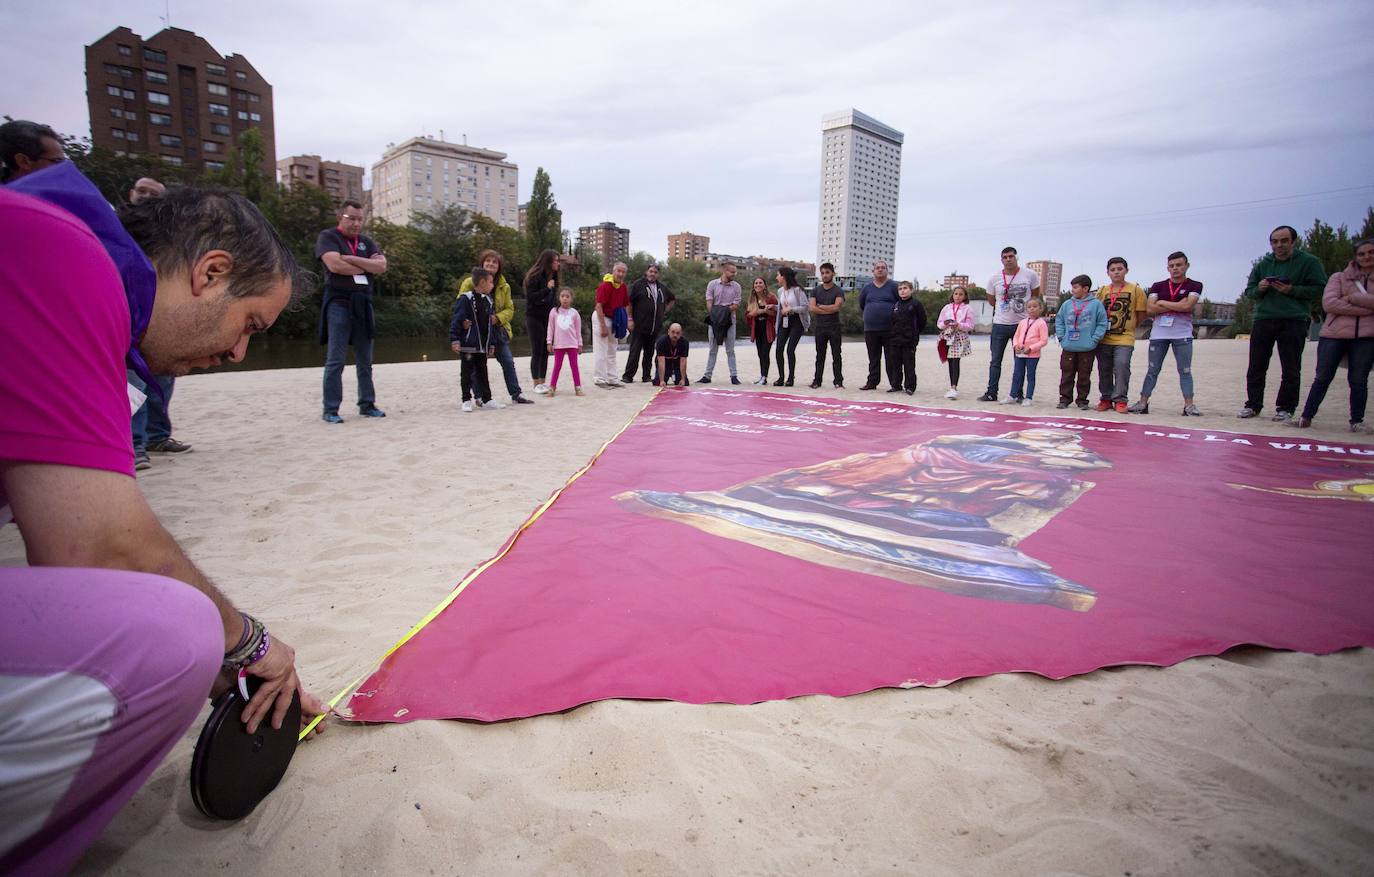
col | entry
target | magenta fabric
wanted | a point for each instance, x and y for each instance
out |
(923, 546)
(62, 342)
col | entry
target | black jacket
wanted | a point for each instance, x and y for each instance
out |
(539, 299)
(645, 310)
(908, 319)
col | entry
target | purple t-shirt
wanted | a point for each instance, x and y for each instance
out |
(62, 342)
(1171, 326)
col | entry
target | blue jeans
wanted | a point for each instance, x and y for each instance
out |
(715, 347)
(340, 325)
(1330, 352)
(1114, 371)
(1183, 358)
(1001, 336)
(150, 423)
(1023, 370)
(503, 356)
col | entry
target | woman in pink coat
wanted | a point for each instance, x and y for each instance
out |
(1347, 331)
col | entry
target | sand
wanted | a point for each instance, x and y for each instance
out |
(341, 537)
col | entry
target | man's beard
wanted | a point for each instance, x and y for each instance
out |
(177, 338)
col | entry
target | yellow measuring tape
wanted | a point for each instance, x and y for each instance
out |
(481, 568)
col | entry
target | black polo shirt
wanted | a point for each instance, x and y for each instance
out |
(331, 240)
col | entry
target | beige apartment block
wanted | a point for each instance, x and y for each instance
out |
(610, 242)
(424, 175)
(173, 96)
(686, 245)
(861, 170)
(1051, 281)
(343, 181)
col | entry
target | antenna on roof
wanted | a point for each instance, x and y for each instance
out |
(441, 135)
(465, 140)
(167, 19)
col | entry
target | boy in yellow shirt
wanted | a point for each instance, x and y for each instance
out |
(1125, 306)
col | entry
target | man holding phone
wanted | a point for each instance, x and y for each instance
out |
(1284, 286)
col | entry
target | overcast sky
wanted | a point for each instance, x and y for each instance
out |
(1073, 131)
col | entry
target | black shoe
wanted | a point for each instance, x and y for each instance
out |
(987, 397)
(839, 385)
(627, 379)
(1083, 406)
(911, 392)
(780, 383)
(869, 387)
(703, 380)
(815, 385)
(521, 400)
(1063, 403)
(734, 380)
(896, 390)
(789, 381)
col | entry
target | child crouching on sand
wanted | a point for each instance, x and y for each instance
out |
(1030, 338)
(469, 335)
(565, 339)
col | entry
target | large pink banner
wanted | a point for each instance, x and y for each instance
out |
(738, 547)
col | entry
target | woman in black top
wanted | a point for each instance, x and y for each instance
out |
(541, 290)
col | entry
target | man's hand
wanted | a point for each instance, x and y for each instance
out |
(1282, 288)
(277, 670)
(493, 319)
(605, 333)
(1264, 285)
(632, 325)
(467, 324)
(455, 347)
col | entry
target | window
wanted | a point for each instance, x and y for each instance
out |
(160, 99)
(128, 95)
(117, 133)
(240, 75)
(169, 140)
(214, 165)
(131, 115)
(155, 76)
(216, 88)
(243, 114)
(116, 112)
(172, 159)
(209, 146)
(159, 118)
(218, 109)
(219, 128)
(154, 55)
(113, 90)
(256, 117)
(132, 136)
(214, 69)
(126, 51)
(253, 98)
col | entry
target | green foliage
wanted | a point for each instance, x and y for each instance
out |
(242, 169)
(488, 234)
(406, 274)
(299, 215)
(446, 247)
(543, 219)
(1333, 246)
(1244, 319)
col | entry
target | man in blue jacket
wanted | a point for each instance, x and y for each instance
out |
(1079, 325)
(876, 300)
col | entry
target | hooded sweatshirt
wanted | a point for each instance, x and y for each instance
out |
(1080, 324)
(1301, 269)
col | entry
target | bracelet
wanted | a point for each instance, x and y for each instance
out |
(255, 640)
(244, 637)
(261, 651)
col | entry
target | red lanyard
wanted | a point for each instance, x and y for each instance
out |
(1078, 309)
(1175, 294)
(1006, 284)
(956, 313)
(352, 245)
(1115, 295)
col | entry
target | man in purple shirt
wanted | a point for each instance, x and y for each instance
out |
(722, 293)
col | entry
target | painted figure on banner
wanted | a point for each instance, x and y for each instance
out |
(1353, 489)
(946, 514)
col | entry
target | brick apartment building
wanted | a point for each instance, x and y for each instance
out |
(610, 242)
(172, 95)
(343, 181)
(686, 245)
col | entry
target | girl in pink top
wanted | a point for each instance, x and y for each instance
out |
(1031, 336)
(955, 322)
(565, 339)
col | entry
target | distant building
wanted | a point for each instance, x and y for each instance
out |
(609, 241)
(861, 168)
(343, 181)
(952, 280)
(522, 220)
(1223, 310)
(1051, 281)
(758, 264)
(424, 175)
(686, 245)
(172, 95)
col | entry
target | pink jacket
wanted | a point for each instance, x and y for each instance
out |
(565, 329)
(963, 321)
(1349, 312)
(1032, 333)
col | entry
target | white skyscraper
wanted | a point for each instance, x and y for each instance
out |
(861, 167)
(427, 175)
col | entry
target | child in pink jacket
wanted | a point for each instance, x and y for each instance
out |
(1031, 335)
(565, 339)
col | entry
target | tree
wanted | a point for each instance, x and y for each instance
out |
(242, 169)
(488, 234)
(299, 214)
(543, 219)
(1334, 247)
(446, 247)
(405, 269)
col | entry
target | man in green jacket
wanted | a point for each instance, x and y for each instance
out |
(1284, 286)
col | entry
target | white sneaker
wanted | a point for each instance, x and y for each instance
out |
(493, 404)
(952, 394)
(1010, 400)
(1025, 402)
(761, 382)
(467, 406)
(541, 389)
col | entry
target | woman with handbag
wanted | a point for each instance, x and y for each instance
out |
(793, 319)
(956, 322)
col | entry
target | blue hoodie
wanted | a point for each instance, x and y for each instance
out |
(1082, 333)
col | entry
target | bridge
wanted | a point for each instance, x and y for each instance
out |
(1210, 328)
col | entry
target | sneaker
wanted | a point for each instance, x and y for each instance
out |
(761, 382)
(1282, 416)
(614, 382)
(704, 379)
(839, 385)
(141, 461)
(894, 389)
(1298, 422)
(492, 403)
(1120, 407)
(780, 382)
(1010, 400)
(911, 392)
(952, 394)
(1025, 401)
(600, 382)
(1103, 405)
(1144, 408)
(815, 385)
(168, 446)
(542, 389)
(467, 406)
(1083, 406)
(577, 391)
(1063, 403)
(1360, 428)
(332, 417)
(1191, 411)
(374, 411)
(1247, 413)
(521, 400)
(735, 380)
(987, 397)
(552, 391)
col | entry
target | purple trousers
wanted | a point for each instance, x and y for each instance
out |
(101, 672)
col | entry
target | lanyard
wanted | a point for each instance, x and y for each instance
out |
(1078, 309)
(1111, 303)
(1006, 284)
(352, 245)
(1176, 294)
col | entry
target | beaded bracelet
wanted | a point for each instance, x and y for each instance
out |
(245, 654)
(261, 651)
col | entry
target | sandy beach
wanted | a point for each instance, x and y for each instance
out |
(341, 537)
